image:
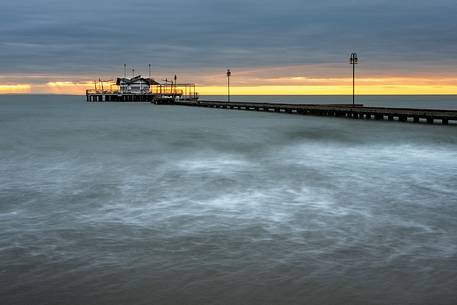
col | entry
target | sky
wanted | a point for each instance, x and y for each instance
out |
(271, 47)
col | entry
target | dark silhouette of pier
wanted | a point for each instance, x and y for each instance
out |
(356, 111)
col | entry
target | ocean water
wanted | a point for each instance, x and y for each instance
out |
(124, 203)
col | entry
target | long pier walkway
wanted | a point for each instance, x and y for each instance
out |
(357, 111)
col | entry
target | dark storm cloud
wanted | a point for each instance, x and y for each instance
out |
(95, 36)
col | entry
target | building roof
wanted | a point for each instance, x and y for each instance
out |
(135, 79)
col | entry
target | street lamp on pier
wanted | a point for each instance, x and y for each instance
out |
(229, 73)
(353, 61)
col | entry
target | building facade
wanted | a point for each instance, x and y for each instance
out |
(135, 85)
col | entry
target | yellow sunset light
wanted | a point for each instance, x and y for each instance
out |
(15, 88)
(73, 88)
(330, 90)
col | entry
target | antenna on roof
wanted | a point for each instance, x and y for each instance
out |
(133, 72)
(125, 71)
(149, 70)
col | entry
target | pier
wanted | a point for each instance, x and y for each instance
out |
(139, 89)
(356, 111)
(170, 92)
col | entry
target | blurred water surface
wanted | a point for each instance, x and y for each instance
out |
(118, 203)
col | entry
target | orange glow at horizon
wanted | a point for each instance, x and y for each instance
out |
(293, 85)
(306, 86)
(71, 88)
(332, 90)
(15, 88)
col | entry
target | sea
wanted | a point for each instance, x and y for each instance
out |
(135, 203)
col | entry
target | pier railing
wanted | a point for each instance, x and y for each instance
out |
(167, 91)
(93, 91)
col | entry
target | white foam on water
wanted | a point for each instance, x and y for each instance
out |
(176, 206)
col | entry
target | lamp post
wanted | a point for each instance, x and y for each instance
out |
(353, 61)
(229, 73)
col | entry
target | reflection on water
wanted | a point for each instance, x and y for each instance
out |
(143, 204)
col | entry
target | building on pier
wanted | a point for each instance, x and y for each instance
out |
(135, 85)
(139, 89)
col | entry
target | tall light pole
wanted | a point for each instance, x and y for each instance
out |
(229, 73)
(353, 60)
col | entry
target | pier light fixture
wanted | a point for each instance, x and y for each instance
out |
(229, 73)
(149, 66)
(353, 61)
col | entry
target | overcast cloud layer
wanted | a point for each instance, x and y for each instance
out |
(89, 37)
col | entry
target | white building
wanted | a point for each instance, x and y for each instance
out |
(136, 85)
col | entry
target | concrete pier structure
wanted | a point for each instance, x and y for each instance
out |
(356, 111)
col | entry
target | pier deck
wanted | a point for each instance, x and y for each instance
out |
(357, 111)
